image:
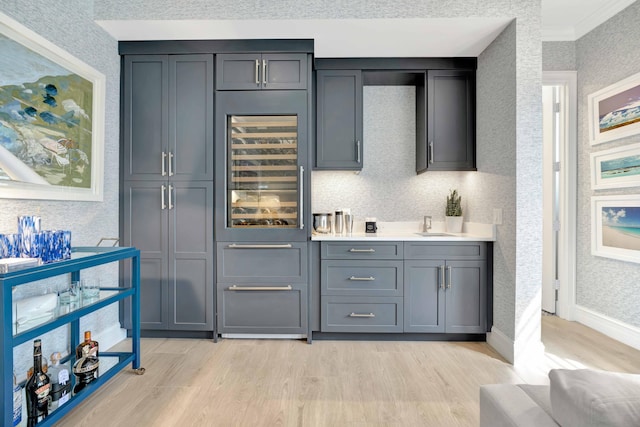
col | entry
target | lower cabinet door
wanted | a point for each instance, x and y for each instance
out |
(466, 297)
(424, 296)
(361, 314)
(249, 308)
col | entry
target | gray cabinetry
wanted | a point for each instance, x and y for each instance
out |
(167, 186)
(450, 142)
(445, 295)
(361, 286)
(167, 117)
(257, 71)
(339, 143)
(173, 228)
(262, 288)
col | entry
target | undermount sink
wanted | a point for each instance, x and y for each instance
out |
(430, 234)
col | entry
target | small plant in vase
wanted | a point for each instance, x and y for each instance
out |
(453, 213)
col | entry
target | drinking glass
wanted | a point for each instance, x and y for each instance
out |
(90, 289)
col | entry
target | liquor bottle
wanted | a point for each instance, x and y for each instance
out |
(37, 389)
(60, 384)
(86, 366)
(17, 402)
(45, 367)
(88, 347)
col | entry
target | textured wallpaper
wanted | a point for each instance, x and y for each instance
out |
(558, 56)
(70, 26)
(604, 56)
(495, 183)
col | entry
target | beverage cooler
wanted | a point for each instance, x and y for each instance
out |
(261, 174)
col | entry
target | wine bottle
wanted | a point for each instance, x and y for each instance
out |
(17, 402)
(60, 384)
(37, 389)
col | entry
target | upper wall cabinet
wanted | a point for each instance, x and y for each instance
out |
(450, 112)
(339, 119)
(255, 71)
(168, 117)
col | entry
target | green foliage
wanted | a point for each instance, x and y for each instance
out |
(454, 206)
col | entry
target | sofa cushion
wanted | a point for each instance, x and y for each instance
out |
(585, 398)
(509, 405)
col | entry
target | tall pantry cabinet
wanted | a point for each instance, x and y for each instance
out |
(167, 186)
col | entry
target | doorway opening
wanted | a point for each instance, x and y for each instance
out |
(559, 192)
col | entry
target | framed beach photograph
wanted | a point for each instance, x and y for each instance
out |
(616, 168)
(614, 112)
(51, 120)
(615, 229)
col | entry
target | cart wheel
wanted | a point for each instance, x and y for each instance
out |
(139, 371)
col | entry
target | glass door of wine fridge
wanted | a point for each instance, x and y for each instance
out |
(264, 137)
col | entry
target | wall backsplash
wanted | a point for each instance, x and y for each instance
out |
(387, 187)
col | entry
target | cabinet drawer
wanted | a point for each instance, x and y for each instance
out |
(366, 278)
(262, 262)
(262, 309)
(361, 250)
(361, 314)
(445, 250)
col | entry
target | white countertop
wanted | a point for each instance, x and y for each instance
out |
(409, 231)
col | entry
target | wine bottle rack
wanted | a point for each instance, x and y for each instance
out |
(263, 181)
(82, 258)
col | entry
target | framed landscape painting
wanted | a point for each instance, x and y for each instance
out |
(615, 231)
(616, 168)
(614, 112)
(51, 120)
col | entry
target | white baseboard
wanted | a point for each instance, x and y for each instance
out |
(620, 331)
(111, 336)
(501, 343)
(516, 352)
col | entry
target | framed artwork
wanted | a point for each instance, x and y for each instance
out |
(51, 120)
(615, 229)
(614, 112)
(616, 168)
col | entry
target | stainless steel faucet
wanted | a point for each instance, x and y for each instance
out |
(426, 226)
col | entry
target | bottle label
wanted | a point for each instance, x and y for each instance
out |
(63, 376)
(43, 393)
(17, 405)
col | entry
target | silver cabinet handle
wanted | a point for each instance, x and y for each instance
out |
(301, 197)
(362, 315)
(237, 246)
(358, 151)
(368, 251)
(257, 71)
(170, 197)
(264, 72)
(164, 158)
(449, 283)
(442, 277)
(362, 279)
(170, 163)
(430, 151)
(163, 205)
(259, 288)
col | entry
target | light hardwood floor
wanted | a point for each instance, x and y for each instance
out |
(330, 383)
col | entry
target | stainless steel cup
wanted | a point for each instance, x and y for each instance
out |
(339, 223)
(348, 223)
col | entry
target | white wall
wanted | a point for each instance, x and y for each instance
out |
(70, 26)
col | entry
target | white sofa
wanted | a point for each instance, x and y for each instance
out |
(573, 398)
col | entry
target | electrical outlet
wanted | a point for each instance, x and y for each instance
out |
(497, 216)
